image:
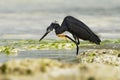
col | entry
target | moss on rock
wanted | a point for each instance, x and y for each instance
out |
(47, 69)
(106, 56)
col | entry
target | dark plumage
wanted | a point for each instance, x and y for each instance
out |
(77, 28)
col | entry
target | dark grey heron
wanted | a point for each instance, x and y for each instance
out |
(77, 28)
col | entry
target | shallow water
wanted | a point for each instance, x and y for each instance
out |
(64, 56)
(28, 19)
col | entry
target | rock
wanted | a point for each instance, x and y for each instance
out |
(47, 69)
(105, 56)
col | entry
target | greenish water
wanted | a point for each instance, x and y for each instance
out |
(54, 49)
(65, 56)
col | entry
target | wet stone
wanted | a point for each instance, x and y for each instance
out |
(105, 56)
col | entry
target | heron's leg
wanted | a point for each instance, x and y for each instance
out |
(74, 42)
(62, 35)
(65, 37)
(76, 39)
(78, 42)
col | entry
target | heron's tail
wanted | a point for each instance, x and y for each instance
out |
(95, 39)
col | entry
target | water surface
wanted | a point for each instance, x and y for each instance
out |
(65, 55)
(28, 19)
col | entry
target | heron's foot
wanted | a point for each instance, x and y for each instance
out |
(62, 36)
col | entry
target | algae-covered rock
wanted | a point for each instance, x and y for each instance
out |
(27, 66)
(47, 69)
(94, 64)
(106, 56)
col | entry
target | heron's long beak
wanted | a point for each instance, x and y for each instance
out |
(43, 36)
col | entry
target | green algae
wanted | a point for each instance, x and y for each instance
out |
(27, 66)
(104, 56)
(14, 46)
(34, 69)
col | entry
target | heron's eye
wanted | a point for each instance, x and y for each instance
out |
(49, 29)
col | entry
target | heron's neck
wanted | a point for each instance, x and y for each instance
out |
(56, 26)
(60, 29)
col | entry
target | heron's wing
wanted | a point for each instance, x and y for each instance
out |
(81, 30)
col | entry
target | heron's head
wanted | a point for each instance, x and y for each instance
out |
(50, 28)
